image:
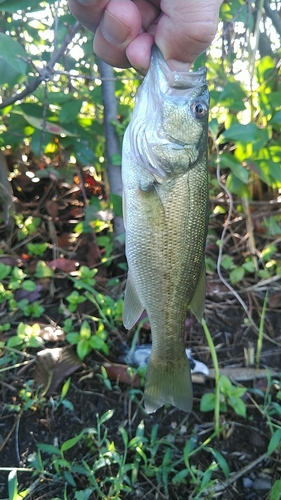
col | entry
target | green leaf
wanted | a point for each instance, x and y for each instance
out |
(275, 493)
(227, 262)
(229, 161)
(116, 159)
(85, 330)
(226, 386)
(236, 275)
(65, 388)
(16, 5)
(4, 271)
(180, 477)
(51, 127)
(207, 402)
(13, 484)
(28, 285)
(70, 110)
(97, 343)
(124, 435)
(42, 270)
(238, 392)
(83, 152)
(232, 95)
(238, 406)
(221, 461)
(83, 348)
(11, 51)
(116, 201)
(237, 186)
(49, 448)
(242, 133)
(8, 74)
(106, 416)
(249, 266)
(274, 442)
(73, 338)
(71, 442)
(104, 241)
(69, 478)
(84, 494)
(276, 119)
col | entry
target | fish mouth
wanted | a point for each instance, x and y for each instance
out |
(176, 144)
(182, 80)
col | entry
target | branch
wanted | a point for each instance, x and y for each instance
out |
(112, 141)
(44, 74)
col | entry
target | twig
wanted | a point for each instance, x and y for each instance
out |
(223, 486)
(3, 444)
(223, 237)
(44, 74)
(17, 440)
(153, 486)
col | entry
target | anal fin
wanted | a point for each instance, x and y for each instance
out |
(132, 306)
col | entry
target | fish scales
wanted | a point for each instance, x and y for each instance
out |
(165, 180)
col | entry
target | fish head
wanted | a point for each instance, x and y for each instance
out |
(173, 127)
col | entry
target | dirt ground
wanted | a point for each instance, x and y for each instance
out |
(243, 442)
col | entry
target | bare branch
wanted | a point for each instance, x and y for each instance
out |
(44, 74)
(112, 141)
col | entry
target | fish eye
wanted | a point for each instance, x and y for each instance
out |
(199, 109)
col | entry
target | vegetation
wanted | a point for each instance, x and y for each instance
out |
(72, 422)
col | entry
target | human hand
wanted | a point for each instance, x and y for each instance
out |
(125, 30)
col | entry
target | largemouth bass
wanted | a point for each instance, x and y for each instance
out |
(165, 182)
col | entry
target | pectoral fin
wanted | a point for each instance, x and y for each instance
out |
(132, 306)
(198, 301)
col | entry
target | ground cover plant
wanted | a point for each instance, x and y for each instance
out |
(72, 421)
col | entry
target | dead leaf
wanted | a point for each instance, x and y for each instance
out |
(72, 214)
(51, 333)
(274, 300)
(65, 265)
(54, 365)
(93, 255)
(63, 240)
(30, 296)
(10, 261)
(52, 208)
(120, 373)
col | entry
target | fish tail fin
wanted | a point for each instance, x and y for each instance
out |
(168, 384)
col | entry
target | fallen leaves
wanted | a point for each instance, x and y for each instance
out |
(53, 366)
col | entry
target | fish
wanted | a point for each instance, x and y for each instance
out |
(165, 207)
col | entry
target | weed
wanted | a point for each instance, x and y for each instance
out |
(230, 395)
(26, 336)
(37, 249)
(86, 341)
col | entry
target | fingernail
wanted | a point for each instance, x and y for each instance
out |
(113, 29)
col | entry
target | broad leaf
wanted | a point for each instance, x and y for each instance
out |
(12, 52)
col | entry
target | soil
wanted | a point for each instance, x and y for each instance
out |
(243, 442)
